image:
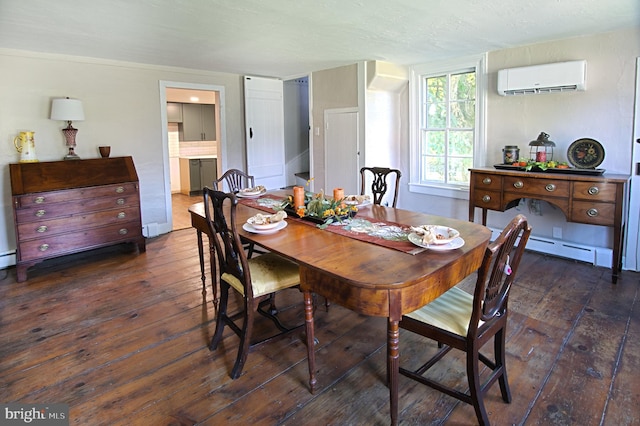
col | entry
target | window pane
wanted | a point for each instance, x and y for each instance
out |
(463, 86)
(437, 116)
(461, 143)
(436, 89)
(433, 169)
(458, 172)
(434, 143)
(463, 115)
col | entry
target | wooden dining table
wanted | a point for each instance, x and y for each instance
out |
(368, 278)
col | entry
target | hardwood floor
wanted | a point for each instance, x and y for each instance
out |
(122, 338)
(179, 205)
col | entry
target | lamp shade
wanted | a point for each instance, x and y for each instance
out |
(66, 109)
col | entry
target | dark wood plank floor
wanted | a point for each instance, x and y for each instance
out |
(122, 338)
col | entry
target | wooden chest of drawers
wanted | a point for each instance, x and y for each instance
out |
(594, 200)
(65, 207)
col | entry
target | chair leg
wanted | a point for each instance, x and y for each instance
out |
(499, 349)
(475, 386)
(245, 340)
(220, 318)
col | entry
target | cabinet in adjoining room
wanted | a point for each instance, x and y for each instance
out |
(196, 173)
(198, 122)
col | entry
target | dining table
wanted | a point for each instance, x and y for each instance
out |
(370, 277)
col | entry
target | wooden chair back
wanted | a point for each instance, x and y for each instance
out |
(379, 184)
(235, 180)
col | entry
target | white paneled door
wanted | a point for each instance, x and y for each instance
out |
(632, 252)
(341, 150)
(264, 126)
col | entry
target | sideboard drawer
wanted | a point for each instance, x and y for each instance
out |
(487, 199)
(39, 229)
(485, 181)
(593, 213)
(595, 191)
(57, 245)
(39, 199)
(536, 187)
(38, 213)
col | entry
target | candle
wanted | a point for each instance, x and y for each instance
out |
(338, 194)
(298, 196)
(541, 156)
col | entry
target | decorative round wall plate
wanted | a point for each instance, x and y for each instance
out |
(585, 153)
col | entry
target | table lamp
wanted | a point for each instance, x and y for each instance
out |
(65, 109)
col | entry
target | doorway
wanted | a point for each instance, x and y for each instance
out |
(174, 150)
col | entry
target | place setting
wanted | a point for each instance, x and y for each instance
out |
(435, 237)
(266, 223)
(254, 192)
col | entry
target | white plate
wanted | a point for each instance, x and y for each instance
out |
(366, 201)
(441, 234)
(249, 228)
(455, 244)
(250, 194)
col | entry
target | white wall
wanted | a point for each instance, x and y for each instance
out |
(122, 109)
(603, 112)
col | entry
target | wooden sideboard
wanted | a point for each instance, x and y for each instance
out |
(64, 207)
(594, 200)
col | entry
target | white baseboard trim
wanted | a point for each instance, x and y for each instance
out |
(598, 256)
(7, 259)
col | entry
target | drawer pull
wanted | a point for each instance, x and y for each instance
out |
(41, 213)
(550, 187)
(39, 200)
(486, 198)
(121, 215)
(43, 247)
(120, 189)
(592, 212)
(42, 228)
(486, 180)
(518, 184)
(593, 190)
(120, 201)
(123, 231)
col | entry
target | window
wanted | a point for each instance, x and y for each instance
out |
(447, 125)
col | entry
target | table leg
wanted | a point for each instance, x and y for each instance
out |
(311, 355)
(393, 366)
(201, 254)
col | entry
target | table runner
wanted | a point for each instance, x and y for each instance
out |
(371, 230)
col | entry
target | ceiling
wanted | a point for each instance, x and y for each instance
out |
(289, 38)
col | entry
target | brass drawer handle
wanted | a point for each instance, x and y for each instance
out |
(486, 198)
(121, 215)
(550, 187)
(120, 189)
(39, 200)
(123, 231)
(486, 180)
(518, 184)
(43, 247)
(592, 212)
(41, 213)
(120, 201)
(42, 228)
(593, 190)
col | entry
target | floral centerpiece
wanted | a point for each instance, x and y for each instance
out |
(319, 208)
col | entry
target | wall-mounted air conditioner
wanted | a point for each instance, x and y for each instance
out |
(547, 78)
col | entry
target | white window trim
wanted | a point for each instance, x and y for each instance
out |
(480, 139)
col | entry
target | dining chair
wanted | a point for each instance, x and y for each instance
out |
(257, 279)
(379, 185)
(237, 180)
(466, 322)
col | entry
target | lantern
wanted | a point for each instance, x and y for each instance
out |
(541, 150)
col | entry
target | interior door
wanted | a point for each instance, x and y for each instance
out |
(341, 150)
(632, 253)
(264, 126)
